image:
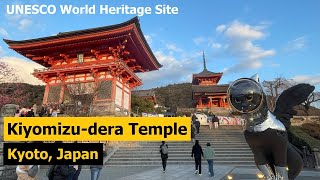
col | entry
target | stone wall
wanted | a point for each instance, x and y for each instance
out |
(107, 108)
(219, 111)
(299, 120)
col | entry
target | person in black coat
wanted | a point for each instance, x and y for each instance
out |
(193, 135)
(194, 118)
(164, 155)
(30, 113)
(196, 154)
(62, 172)
(197, 125)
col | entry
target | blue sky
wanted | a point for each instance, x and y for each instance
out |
(240, 38)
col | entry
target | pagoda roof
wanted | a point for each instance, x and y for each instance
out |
(223, 88)
(113, 33)
(207, 73)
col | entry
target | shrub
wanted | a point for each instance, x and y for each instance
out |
(312, 129)
(299, 138)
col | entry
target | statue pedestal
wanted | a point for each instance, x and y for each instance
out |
(317, 158)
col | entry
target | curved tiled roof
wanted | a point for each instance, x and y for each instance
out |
(212, 88)
(206, 73)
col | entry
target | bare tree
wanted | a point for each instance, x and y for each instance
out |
(10, 88)
(274, 88)
(305, 106)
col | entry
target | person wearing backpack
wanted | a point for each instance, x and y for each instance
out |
(164, 155)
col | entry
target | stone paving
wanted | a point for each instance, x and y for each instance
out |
(183, 172)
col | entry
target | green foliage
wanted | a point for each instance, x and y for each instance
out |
(176, 95)
(312, 129)
(139, 104)
(299, 138)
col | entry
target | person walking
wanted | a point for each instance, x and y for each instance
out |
(209, 155)
(215, 120)
(196, 154)
(193, 118)
(62, 172)
(164, 155)
(197, 124)
(193, 135)
(96, 169)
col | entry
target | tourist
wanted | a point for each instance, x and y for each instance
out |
(35, 108)
(197, 125)
(215, 120)
(30, 113)
(196, 154)
(193, 118)
(209, 155)
(23, 111)
(42, 110)
(96, 169)
(54, 113)
(193, 135)
(27, 172)
(209, 120)
(164, 155)
(75, 176)
(17, 113)
(49, 110)
(62, 172)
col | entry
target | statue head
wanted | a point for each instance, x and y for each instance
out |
(245, 95)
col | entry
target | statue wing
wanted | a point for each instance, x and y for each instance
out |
(289, 98)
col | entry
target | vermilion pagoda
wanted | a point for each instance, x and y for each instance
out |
(205, 91)
(106, 56)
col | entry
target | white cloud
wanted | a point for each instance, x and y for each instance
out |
(173, 47)
(240, 44)
(173, 71)
(221, 28)
(312, 79)
(24, 24)
(296, 44)
(216, 45)
(199, 40)
(238, 30)
(23, 69)
(3, 32)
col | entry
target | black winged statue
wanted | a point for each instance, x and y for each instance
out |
(265, 131)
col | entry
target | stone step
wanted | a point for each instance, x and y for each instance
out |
(176, 159)
(187, 146)
(158, 162)
(250, 164)
(181, 149)
(228, 142)
(178, 155)
(173, 151)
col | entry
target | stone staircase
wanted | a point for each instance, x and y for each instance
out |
(228, 142)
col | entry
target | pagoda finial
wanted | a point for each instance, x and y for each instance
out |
(204, 62)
